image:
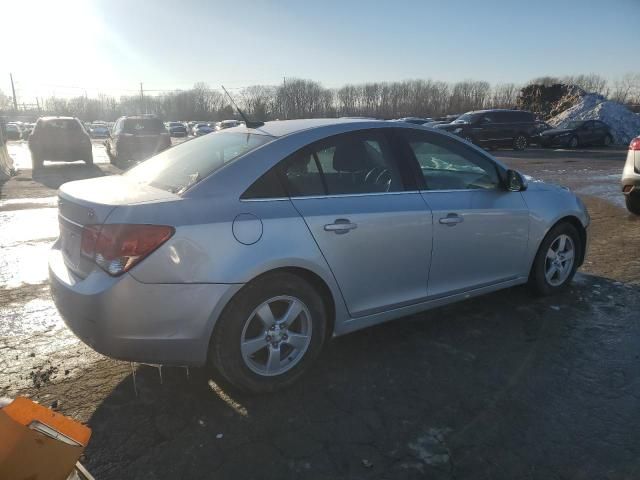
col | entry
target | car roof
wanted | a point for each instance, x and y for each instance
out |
(488, 110)
(46, 119)
(280, 128)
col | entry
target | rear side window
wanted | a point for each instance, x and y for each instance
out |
(142, 125)
(524, 117)
(184, 165)
(267, 186)
(353, 163)
(62, 125)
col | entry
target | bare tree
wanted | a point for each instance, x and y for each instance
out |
(504, 95)
(627, 88)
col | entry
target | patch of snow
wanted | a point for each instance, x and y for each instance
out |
(624, 124)
(431, 448)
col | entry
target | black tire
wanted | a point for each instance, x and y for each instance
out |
(224, 350)
(632, 200)
(537, 279)
(574, 142)
(521, 142)
(89, 159)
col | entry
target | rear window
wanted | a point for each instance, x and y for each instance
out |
(184, 165)
(142, 125)
(67, 125)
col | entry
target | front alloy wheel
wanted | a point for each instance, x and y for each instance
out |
(559, 260)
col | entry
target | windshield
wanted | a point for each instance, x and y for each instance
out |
(466, 118)
(574, 124)
(182, 166)
(142, 125)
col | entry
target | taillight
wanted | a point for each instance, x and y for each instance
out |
(116, 248)
(635, 144)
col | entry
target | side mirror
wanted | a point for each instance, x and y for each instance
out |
(516, 181)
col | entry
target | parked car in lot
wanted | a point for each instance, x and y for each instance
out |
(539, 127)
(199, 125)
(227, 124)
(578, 133)
(27, 128)
(177, 129)
(494, 128)
(137, 138)
(202, 129)
(415, 120)
(13, 131)
(631, 177)
(250, 248)
(60, 139)
(99, 130)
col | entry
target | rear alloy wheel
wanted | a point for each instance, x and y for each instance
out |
(632, 200)
(573, 142)
(270, 333)
(556, 261)
(520, 142)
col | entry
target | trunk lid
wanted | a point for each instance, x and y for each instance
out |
(90, 202)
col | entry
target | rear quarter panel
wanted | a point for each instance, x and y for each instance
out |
(206, 248)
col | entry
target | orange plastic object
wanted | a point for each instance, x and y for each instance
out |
(26, 453)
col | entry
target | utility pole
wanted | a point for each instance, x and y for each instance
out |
(142, 99)
(13, 90)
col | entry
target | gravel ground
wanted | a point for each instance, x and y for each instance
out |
(503, 386)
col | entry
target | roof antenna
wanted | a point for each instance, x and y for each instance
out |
(247, 122)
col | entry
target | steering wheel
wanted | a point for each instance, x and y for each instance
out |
(384, 178)
(373, 174)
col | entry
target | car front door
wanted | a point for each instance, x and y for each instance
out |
(587, 133)
(600, 131)
(372, 227)
(480, 230)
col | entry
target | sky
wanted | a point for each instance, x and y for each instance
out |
(78, 47)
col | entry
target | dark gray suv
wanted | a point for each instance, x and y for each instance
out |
(494, 128)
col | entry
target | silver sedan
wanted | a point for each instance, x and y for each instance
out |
(247, 249)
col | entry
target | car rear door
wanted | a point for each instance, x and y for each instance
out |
(488, 130)
(372, 227)
(480, 230)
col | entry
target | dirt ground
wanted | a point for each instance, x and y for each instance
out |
(503, 386)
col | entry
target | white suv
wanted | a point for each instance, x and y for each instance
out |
(631, 177)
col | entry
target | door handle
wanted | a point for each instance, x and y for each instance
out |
(340, 225)
(451, 219)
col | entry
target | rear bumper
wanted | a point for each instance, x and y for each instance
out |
(168, 324)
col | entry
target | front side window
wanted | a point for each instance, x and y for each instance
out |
(446, 166)
(354, 163)
(182, 166)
